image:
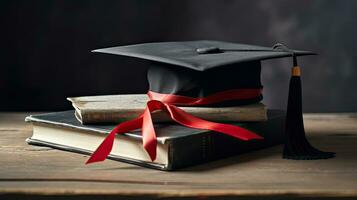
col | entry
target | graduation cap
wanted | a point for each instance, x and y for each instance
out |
(210, 73)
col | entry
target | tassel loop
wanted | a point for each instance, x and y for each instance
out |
(295, 71)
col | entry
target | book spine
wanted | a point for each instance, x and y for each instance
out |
(88, 117)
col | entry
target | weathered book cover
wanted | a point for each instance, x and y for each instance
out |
(116, 108)
(185, 146)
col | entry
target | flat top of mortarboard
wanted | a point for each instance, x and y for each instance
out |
(200, 55)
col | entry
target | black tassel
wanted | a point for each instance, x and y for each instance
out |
(296, 145)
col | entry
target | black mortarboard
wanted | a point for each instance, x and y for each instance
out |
(203, 68)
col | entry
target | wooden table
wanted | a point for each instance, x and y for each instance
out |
(40, 173)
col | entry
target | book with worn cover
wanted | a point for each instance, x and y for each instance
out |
(178, 146)
(117, 108)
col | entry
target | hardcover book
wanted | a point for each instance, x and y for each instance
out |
(178, 146)
(117, 108)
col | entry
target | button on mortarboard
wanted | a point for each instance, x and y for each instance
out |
(207, 50)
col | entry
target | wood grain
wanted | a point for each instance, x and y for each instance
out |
(38, 172)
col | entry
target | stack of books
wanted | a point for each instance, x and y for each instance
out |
(82, 130)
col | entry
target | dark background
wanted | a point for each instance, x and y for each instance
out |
(45, 49)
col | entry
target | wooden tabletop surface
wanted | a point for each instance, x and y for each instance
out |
(39, 172)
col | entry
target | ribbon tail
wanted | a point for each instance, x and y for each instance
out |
(148, 130)
(149, 135)
(191, 121)
(104, 149)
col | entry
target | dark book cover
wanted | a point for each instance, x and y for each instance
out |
(187, 147)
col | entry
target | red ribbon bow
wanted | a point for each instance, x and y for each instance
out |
(169, 103)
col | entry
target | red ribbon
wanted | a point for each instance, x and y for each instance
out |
(168, 103)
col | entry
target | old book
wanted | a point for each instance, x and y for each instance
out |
(117, 108)
(178, 146)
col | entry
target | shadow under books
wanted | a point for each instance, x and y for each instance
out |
(236, 160)
(275, 151)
